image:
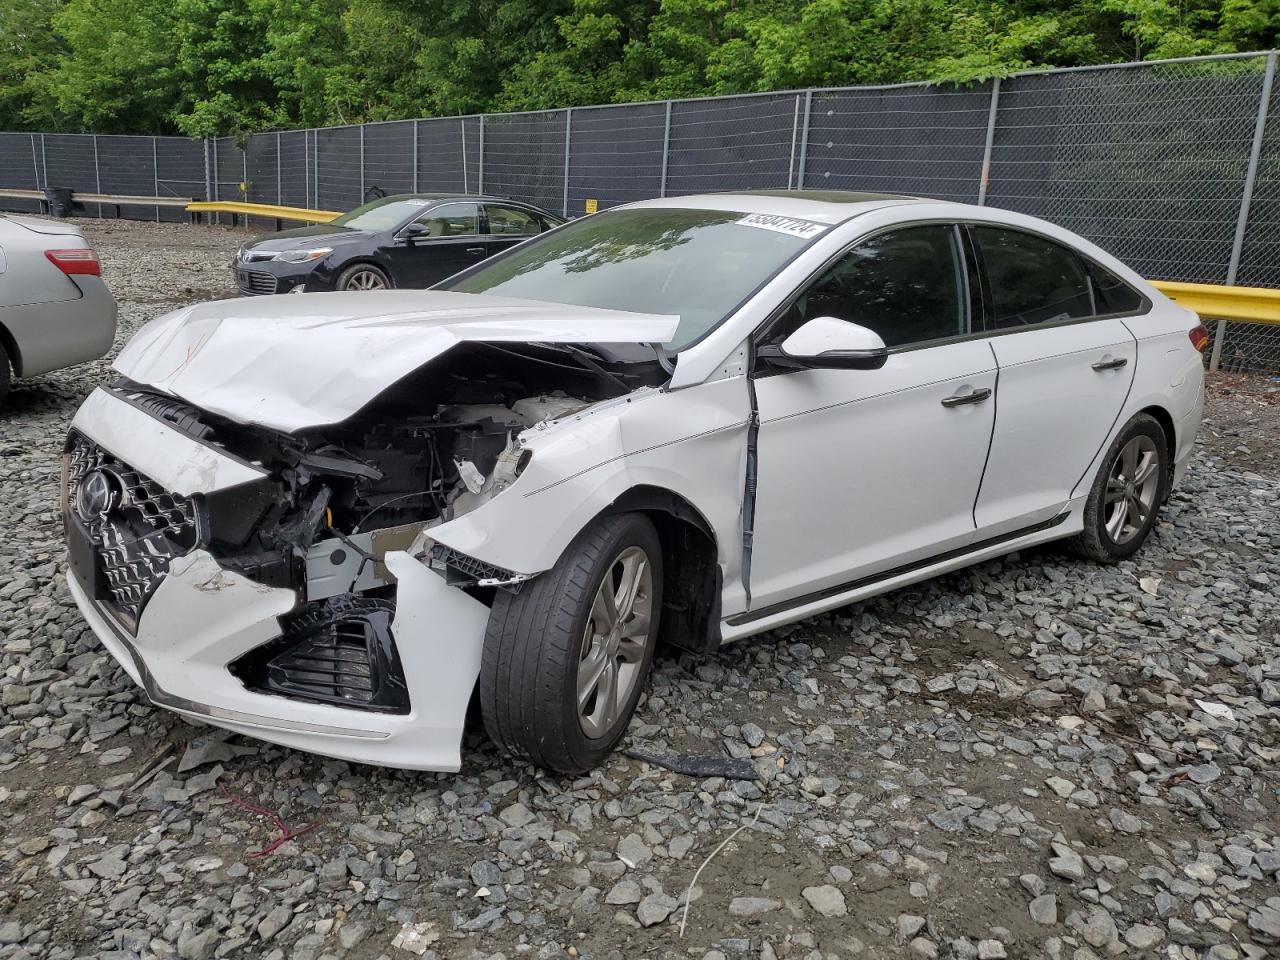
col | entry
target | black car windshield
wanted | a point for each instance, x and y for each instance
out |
(696, 264)
(381, 214)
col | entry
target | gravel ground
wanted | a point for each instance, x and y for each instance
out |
(1033, 757)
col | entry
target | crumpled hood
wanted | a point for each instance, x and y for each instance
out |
(304, 360)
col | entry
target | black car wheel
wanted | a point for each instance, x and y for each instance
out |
(1127, 493)
(363, 276)
(565, 659)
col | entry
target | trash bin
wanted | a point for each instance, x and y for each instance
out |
(60, 201)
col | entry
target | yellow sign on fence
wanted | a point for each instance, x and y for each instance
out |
(592, 205)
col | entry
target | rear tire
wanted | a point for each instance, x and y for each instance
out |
(363, 276)
(6, 373)
(561, 674)
(1131, 484)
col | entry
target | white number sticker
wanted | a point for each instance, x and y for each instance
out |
(804, 229)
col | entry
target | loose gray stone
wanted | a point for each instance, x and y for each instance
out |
(826, 900)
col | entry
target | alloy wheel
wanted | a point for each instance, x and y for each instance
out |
(614, 642)
(366, 280)
(1131, 490)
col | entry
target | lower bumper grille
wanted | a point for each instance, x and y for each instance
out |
(125, 531)
(340, 653)
(254, 283)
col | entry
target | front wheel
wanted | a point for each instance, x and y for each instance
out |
(363, 276)
(566, 658)
(1127, 493)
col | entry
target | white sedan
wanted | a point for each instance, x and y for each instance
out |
(328, 520)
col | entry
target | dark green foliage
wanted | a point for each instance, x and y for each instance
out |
(204, 67)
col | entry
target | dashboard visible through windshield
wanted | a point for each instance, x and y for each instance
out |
(695, 264)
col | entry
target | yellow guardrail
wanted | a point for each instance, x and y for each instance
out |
(266, 210)
(1213, 302)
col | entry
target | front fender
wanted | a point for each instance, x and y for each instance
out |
(692, 443)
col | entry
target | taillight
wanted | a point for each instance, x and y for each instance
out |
(1199, 337)
(80, 261)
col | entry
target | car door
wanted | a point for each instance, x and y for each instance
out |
(861, 471)
(449, 240)
(509, 225)
(1066, 361)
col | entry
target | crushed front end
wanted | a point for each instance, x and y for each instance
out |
(287, 585)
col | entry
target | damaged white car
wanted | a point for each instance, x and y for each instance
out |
(329, 520)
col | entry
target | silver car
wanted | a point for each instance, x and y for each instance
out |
(55, 310)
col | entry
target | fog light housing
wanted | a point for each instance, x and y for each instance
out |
(299, 288)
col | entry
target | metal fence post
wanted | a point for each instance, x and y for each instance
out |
(1246, 198)
(44, 162)
(97, 173)
(35, 163)
(480, 185)
(804, 139)
(666, 150)
(463, 124)
(985, 176)
(244, 172)
(568, 128)
(155, 174)
(279, 172)
(315, 169)
(415, 156)
(795, 127)
(361, 200)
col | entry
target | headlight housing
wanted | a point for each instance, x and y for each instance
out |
(304, 256)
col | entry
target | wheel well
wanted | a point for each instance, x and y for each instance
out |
(1161, 416)
(11, 348)
(691, 573)
(365, 262)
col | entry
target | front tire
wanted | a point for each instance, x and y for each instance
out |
(1127, 493)
(566, 658)
(363, 276)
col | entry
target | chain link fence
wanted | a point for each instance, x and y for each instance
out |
(1173, 166)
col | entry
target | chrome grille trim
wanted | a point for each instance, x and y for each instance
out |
(255, 283)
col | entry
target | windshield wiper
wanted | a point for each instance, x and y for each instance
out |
(588, 361)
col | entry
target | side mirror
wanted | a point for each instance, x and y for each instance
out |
(828, 343)
(414, 231)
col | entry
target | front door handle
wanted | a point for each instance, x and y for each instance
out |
(960, 399)
(475, 250)
(1113, 364)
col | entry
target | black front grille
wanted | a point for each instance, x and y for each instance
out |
(133, 541)
(340, 652)
(255, 283)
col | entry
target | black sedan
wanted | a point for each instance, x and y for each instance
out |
(407, 240)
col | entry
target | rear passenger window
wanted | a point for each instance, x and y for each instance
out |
(1031, 279)
(907, 285)
(1110, 293)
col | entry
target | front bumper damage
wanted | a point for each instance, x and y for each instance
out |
(200, 619)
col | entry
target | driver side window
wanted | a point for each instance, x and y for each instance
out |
(452, 220)
(907, 285)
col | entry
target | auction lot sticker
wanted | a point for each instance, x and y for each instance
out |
(805, 229)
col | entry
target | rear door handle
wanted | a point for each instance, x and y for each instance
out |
(475, 250)
(960, 399)
(1113, 364)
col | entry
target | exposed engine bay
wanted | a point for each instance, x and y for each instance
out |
(434, 446)
(337, 499)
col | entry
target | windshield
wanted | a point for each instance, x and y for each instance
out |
(695, 264)
(381, 214)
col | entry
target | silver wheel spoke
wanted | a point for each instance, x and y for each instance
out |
(615, 642)
(1115, 491)
(604, 612)
(1115, 524)
(1146, 469)
(590, 672)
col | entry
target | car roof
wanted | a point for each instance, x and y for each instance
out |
(473, 197)
(821, 206)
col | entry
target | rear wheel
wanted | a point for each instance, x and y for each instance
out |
(363, 276)
(565, 659)
(1126, 494)
(6, 373)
